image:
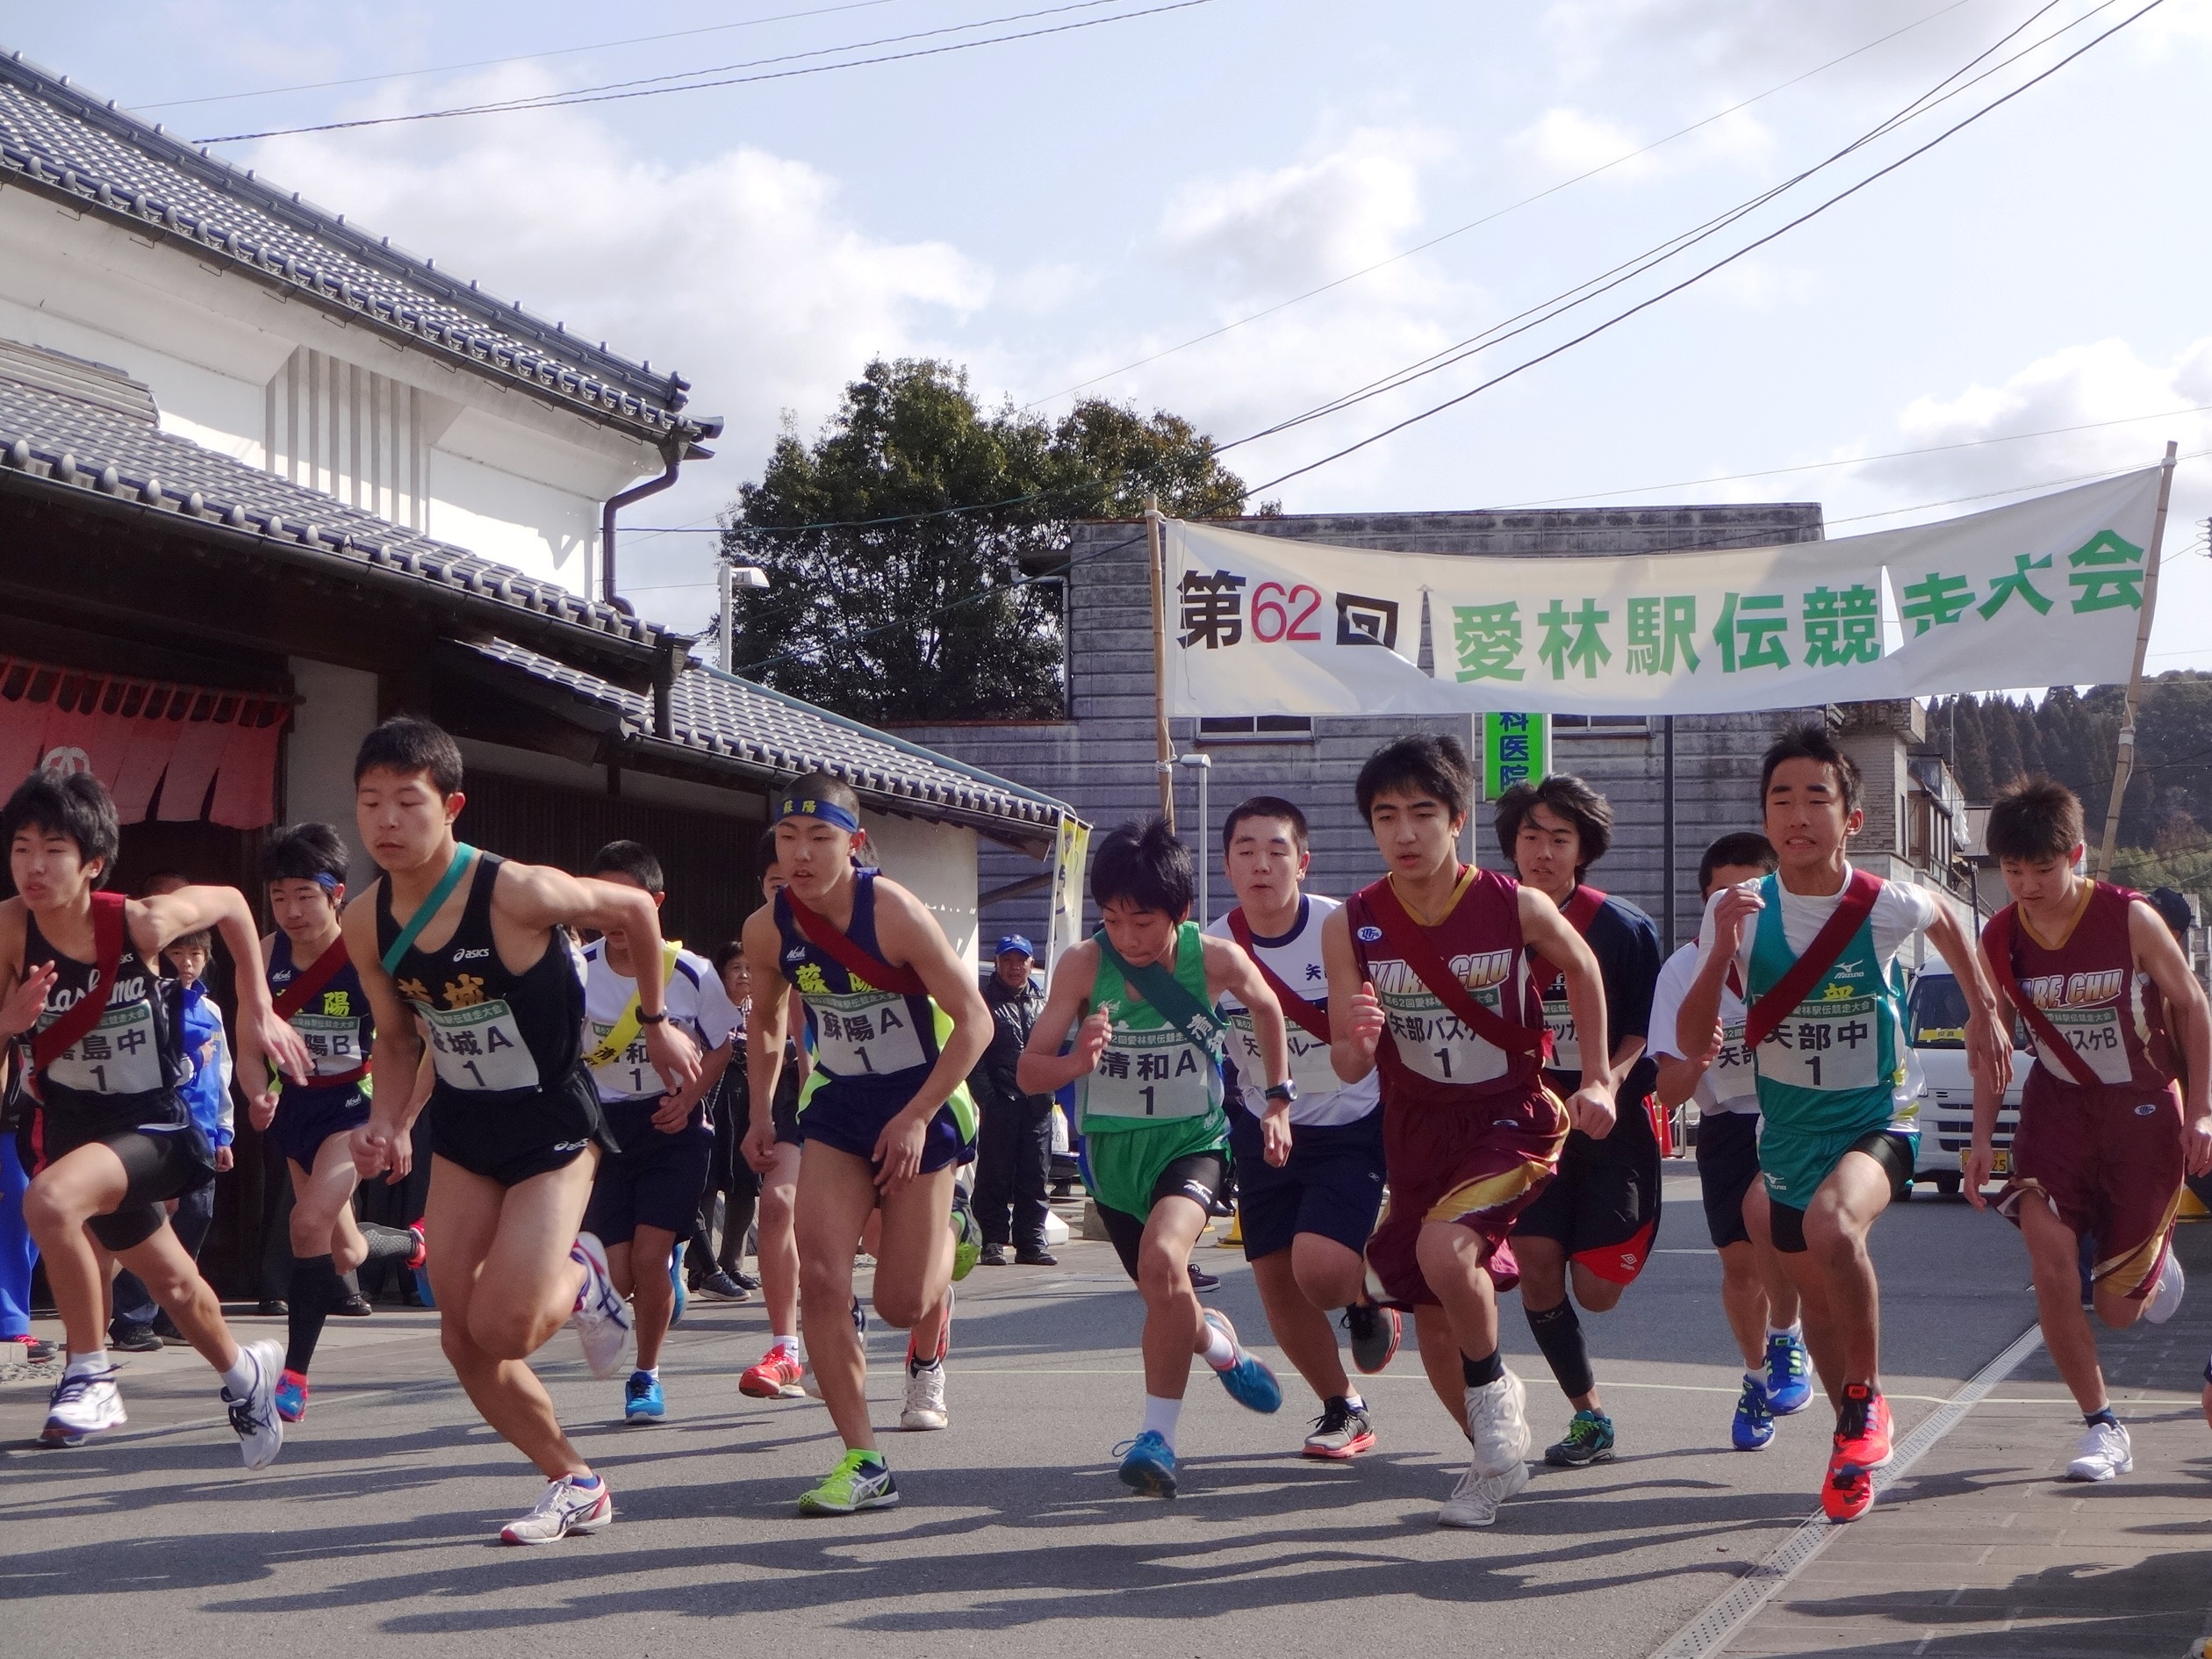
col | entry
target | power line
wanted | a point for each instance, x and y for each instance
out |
(593, 96)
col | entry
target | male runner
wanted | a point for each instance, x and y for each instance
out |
(898, 1023)
(2104, 1135)
(645, 1196)
(102, 1131)
(471, 947)
(1600, 1213)
(1755, 1292)
(1430, 983)
(1307, 1223)
(781, 1372)
(316, 991)
(1139, 995)
(1816, 943)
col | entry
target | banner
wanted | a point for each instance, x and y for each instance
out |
(2043, 593)
(1069, 854)
(1515, 748)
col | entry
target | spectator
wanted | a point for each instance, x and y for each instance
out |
(727, 1176)
(1013, 1154)
(18, 1255)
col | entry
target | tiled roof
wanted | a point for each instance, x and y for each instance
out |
(57, 141)
(90, 428)
(774, 736)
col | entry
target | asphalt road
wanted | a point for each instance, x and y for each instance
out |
(380, 1520)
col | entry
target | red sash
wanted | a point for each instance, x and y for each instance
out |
(50, 1045)
(1997, 948)
(1404, 937)
(1308, 1017)
(1764, 1016)
(864, 965)
(305, 984)
(1581, 910)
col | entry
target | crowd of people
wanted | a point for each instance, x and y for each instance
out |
(1443, 1087)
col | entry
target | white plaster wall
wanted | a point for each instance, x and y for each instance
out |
(337, 709)
(541, 531)
(936, 863)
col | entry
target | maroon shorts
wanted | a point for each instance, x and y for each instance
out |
(1478, 1165)
(2109, 1161)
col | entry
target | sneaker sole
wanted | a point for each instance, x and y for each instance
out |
(1149, 1482)
(1781, 1410)
(634, 1420)
(1445, 1518)
(922, 1422)
(575, 1529)
(2111, 1473)
(1340, 1454)
(1606, 1456)
(885, 1500)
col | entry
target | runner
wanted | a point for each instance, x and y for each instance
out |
(884, 1127)
(1306, 1223)
(319, 994)
(1755, 1292)
(781, 1372)
(1816, 944)
(1147, 1064)
(470, 949)
(101, 1129)
(1430, 984)
(2105, 1137)
(645, 1195)
(1599, 1214)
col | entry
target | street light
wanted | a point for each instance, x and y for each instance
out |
(1204, 765)
(731, 577)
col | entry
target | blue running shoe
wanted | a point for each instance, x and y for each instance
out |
(1249, 1382)
(1148, 1466)
(641, 1401)
(1754, 1422)
(1789, 1375)
(675, 1282)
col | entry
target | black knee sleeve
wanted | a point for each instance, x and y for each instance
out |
(1788, 1227)
(1558, 1332)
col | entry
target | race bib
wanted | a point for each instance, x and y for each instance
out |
(2094, 1033)
(479, 1048)
(1559, 1020)
(119, 1056)
(1827, 1046)
(1433, 1043)
(1732, 1075)
(1309, 1066)
(1151, 1074)
(334, 1042)
(863, 1033)
(630, 1075)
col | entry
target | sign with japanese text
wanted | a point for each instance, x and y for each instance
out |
(1515, 748)
(2045, 592)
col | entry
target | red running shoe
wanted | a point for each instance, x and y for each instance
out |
(776, 1377)
(421, 1253)
(1862, 1447)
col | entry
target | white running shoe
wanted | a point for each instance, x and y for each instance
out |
(1496, 1424)
(925, 1399)
(2103, 1453)
(2164, 1300)
(565, 1508)
(1474, 1501)
(602, 1319)
(82, 1402)
(261, 1431)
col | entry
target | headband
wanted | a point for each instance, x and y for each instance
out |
(828, 811)
(327, 882)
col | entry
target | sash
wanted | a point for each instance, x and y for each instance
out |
(1401, 933)
(307, 983)
(1763, 1017)
(1997, 947)
(625, 1029)
(864, 965)
(1581, 910)
(464, 859)
(1308, 1016)
(1167, 996)
(56, 1040)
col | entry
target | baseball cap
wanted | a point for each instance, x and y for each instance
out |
(1014, 942)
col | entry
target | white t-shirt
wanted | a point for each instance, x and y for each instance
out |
(1324, 1100)
(1729, 1084)
(696, 1002)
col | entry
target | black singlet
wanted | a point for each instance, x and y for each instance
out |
(132, 1060)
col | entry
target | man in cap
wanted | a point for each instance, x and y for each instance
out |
(1013, 1153)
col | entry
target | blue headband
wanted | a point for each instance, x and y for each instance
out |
(327, 882)
(828, 811)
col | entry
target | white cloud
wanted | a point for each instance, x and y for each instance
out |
(1563, 143)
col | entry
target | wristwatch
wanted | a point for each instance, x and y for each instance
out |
(1286, 1092)
(660, 1018)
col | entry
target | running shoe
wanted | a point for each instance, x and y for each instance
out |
(722, 1287)
(967, 1238)
(1376, 1333)
(676, 1285)
(128, 1336)
(744, 1281)
(1148, 1465)
(1474, 1501)
(1251, 1384)
(356, 1306)
(602, 1319)
(565, 1508)
(1788, 1374)
(991, 1256)
(35, 1351)
(417, 1257)
(1754, 1427)
(1342, 1430)
(860, 1480)
(1862, 1447)
(1203, 1282)
(2164, 1300)
(924, 1407)
(261, 1431)
(291, 1396)
(2103, 1453)
(1497, 1422)
(82, 1402)
(775, 1376)
(641, 1401)
(1589, 1439)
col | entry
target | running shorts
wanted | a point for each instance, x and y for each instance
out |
(306, 1117)
(1123, 1167)
(160, 1161)
(1602, 1208)
(832, 1120)
(1479, 1165)
(1795, 1161)
(653, 1179)
(514, 1143)
(1727, 1164)
(2110, 1162)
(1332, 1186)
(1895, 1153)
(1199, 1176)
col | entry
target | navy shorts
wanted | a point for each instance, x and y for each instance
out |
(1727, 1164)
(1332, 1185)
(306, 1117)
(834, 1118)
(655, 1180)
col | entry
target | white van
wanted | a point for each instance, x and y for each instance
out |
(1935, 1026)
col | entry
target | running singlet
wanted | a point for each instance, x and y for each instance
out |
(1432, 1059)
(695, 1000)
(1323, 1098)
(335, 1022)
(2089, 988)
(1150, 1070)
(872, 1048)
(131, 1058)
(496, 1038)
(1731, 1083)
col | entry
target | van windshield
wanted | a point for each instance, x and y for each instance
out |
(1936, 1011)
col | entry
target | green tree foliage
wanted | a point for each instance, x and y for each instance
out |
(919, 618)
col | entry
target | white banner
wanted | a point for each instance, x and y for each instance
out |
(2044, 593)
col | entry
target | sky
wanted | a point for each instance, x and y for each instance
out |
(1141, 207)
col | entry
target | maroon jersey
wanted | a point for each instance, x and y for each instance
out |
(2090, 992)
(1429, 1056)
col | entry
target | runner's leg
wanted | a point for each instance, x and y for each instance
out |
(1743, 1298)
(1293, 1285)
(1783, 1310)
(1174, 1328)
(1835, 1227)
(836, 1195)
(1441, 1360)
(2052, 1247)
(173, 1278)
(653, 1298)
(1558, 1332)
(1453, 1260)
(86, 1182)
(779, 1252)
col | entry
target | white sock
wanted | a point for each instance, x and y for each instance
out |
(1795, 1332)
(779, 1340)
(244, 1376)
(653, 1371)
(1161, 1416)
(1757, 1377)
(1219, 1352)
(1353, 1400)
(80, 1363)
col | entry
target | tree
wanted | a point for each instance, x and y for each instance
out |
(895, 542)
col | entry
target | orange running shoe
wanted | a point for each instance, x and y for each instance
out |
(1862, 1447)
(776, 1377)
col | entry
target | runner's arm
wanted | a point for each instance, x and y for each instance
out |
(395, 1062)
(1043, 1069)
(1556, 941)
(2188, 1022)
(265, 1043)
(1356, 1020)
(1696, 1033)
(770, 1028)
(1678, 1078)
(24, 996)
(1988, 1039)
(1981, 1153)
(675, 1110)
(1228, 968)
(910, 937)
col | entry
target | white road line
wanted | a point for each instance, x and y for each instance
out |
(1712, 1630)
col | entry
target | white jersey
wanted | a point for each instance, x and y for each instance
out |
(1730, 1084)
(696, 1002)
(1323, 1099)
